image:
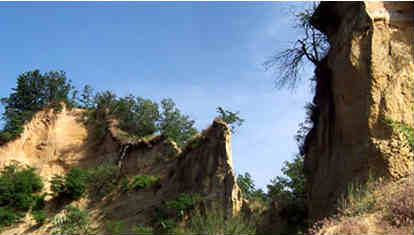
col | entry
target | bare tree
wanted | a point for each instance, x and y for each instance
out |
(310, 47)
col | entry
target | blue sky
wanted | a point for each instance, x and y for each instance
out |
(200, 54)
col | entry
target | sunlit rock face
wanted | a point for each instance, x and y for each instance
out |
(366, 77)
(54, 142)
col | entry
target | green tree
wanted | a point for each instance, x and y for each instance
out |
(311, 46)
(138, 115)
(175, 125)
(87, 97)
(33, 92)
(248, 188)
(230, 118)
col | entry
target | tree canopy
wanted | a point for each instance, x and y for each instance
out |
(231, 118)
(138, 116)
(33, 92)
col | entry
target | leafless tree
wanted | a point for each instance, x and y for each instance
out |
(310, 47)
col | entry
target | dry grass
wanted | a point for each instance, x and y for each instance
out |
(380, 207)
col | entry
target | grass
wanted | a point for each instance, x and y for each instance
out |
(377, 207)
(216, 221)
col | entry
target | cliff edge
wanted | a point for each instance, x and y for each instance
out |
(363, 84)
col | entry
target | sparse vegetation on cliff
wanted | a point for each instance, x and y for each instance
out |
(34, 92)
(375, 207)
(20, 189)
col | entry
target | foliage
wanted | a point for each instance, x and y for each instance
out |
(248, 189)
(139, 229)
(215, 221)
(102, 179)
(34, 91)
(175, 125)
(311, 46)
(72, 186)
(9, 216)
(403, 128)
(137, 116)
(75, 221)
(183, 204)
(39, 216)
(124, 185)
(230, 118)
(115, 227)
(144, 181)
(292, 186)
(358, 198)
(19, 188)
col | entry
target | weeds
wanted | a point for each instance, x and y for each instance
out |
(75, 221)
(403, 128)
(216, 221)
(115, 227)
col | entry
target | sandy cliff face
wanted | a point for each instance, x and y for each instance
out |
(366, 77)
(54, 143)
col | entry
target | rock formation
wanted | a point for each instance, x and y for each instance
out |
(53, 143)
(366, 78)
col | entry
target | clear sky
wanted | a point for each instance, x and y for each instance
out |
(200, 54)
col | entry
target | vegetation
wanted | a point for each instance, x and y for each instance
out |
(310, 47)
(144, 181)
(72, 186)
(19, 192)
(380, 207)
(34, 92)
(230, 118)
(102, 179)
(166, 223)
(248, 188)
(403, 128)
(74, 221)
(215, 221)
(115, 227)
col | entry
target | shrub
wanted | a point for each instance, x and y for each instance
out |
(18, 192)
(124, 185)
(75, 221)
(144, 181)
(72, 186)
(115, 227)
(39, 216)
(215, 221)
(103, 179)
(139, 229)
(9, 216)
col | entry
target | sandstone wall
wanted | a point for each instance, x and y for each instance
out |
(53, 143)
(366, 77)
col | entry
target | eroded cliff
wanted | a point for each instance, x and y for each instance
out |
(365, 79)
(53, 143)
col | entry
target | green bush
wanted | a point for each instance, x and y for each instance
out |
(75, 221)
(139, 229)
(72, 186)
(19, 188)
(183, 203)
(39, 216)
(124, 185)
(9, 216)
(144, 181)
(103, 179)
(115, 227)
